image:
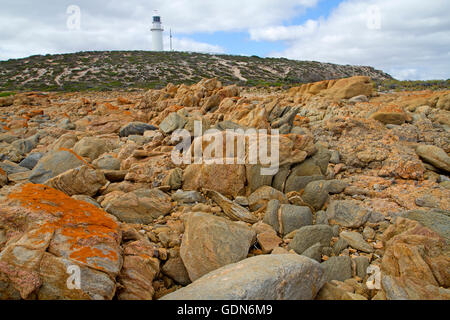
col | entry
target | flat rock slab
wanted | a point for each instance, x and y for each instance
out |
(210, 242)
(265, 277)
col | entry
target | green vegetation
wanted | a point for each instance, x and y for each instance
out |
(112, 70)
(397, 85)
(6, 94)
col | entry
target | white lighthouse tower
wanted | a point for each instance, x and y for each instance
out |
(157, 33)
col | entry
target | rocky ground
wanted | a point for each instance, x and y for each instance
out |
(359, 208)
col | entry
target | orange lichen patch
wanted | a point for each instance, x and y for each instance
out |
(81, 223)
(109, 106)
(6, 128)
(174, 108)
(121, 100)
(76, 155)
(2, 172)
(391, 108)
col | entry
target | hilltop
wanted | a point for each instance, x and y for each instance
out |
(104, 70)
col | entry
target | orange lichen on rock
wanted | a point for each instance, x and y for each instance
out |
(76, 155)
(82, 224)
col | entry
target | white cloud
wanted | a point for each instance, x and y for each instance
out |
(27, 28)
(412, 41)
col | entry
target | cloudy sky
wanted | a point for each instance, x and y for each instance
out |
(410, 39)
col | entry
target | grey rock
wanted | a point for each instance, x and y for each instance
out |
(335, 157)
(188, 196)
(107, 162)
(321, 217)
(135, 128)
(172, 122)
(255, 178)
(435, 156)
(264, 277)
(294, 217)
(210, 242)
(356, 240)
(436, 220)
(53, 164)
(347, 213)
(360, 98)
(335, 230)
(297, 183)
(291, 217)
(31, 160)
(427, 201)
(338, 268)
(314, 252)
(340, 245)
(361, 265)
(307, 236)
(12, 168)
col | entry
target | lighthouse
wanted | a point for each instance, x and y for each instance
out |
(157, 32)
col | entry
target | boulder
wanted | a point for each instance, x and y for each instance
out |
(174, 268)
(140, 206)
(356, 240)
(210, 242)
(415, 263)
(308, 236)
(92, 147)
(135, 128)
(31, 160)
(83, 180)
(138, 271)
(434, 155)
(338, 268)
(286, 218)
(265, 277)
(172, 122)
(263, 195)
(53, 164)
(390, 114)
(347, 213)
(56, 237)
(227, 179)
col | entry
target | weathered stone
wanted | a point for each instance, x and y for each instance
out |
(434, 155)
(140, 206)
(31, 160)
(54, 233)
(314, 252)
(436, 220)
(107, 162)
(53, 164)
(356, 240)
(188, 196)
(230, 208)
(228, 180)
(92, 147)
(263, 195)
(82, 180)
(347, 213)
(135, 128)
(210, 242)
(138, 271)
(361, 265)
(175, 269)
(172, 122)
(338, 268)
(266, 277)
(307, 236)
(287, 218)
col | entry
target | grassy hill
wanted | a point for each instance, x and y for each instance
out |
(104, 70)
